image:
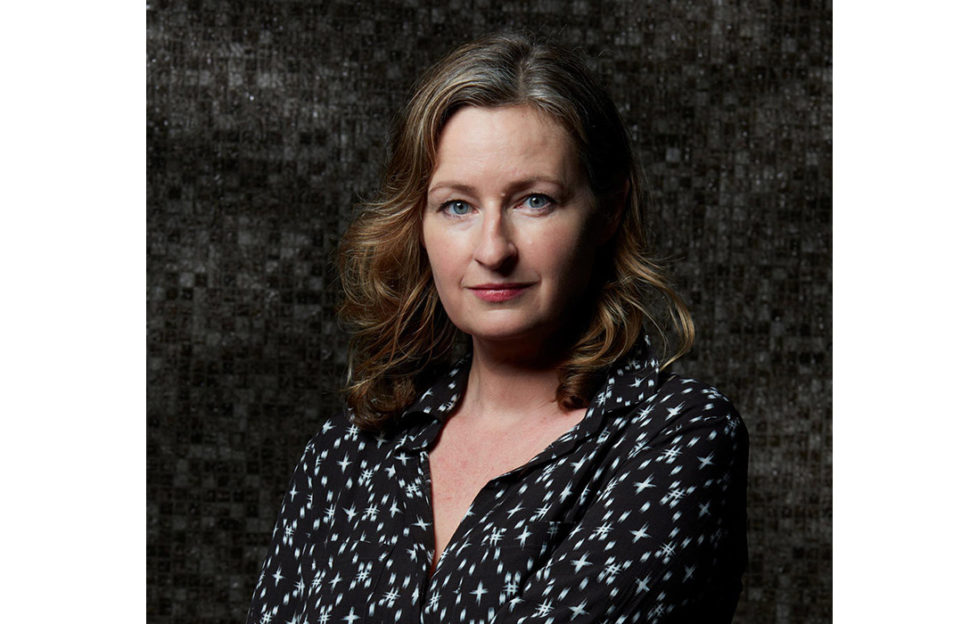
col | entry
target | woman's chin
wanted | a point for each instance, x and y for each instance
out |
(507, 335)
(526, 342)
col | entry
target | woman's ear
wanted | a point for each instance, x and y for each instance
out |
(614, 211)
(420, 227)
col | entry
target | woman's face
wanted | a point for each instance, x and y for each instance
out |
(510, 224)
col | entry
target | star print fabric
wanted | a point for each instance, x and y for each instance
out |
(637, 514)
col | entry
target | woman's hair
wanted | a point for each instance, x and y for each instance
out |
(399, 328)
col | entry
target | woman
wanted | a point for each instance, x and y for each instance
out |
(513, 451)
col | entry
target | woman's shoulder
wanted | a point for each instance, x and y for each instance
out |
(336, 428)
(691, 397)
(683, 405)
(336, 436)
(341, 439)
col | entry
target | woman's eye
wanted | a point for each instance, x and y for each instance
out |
(456, 207)
(537, 201)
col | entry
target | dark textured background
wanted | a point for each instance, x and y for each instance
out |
(267, 121)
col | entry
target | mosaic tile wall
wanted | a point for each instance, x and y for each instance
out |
(267, 120)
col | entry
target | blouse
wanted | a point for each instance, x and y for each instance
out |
(637, 514)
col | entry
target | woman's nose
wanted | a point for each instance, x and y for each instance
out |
(495, 248)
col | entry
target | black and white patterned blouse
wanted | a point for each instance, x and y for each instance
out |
(637, 514)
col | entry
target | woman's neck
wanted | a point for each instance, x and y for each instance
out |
(505, 387)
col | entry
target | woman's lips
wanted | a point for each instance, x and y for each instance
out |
(495, 293)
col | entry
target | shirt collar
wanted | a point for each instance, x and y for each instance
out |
(423, 419)
(632, 379)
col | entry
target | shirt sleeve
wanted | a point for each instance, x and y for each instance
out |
(280, 581)
(665, 541)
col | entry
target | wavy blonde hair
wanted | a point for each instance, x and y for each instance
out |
(399, 328)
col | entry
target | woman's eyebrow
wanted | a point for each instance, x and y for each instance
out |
(517, 185)
(454, 186)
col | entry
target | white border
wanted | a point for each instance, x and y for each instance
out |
(904, 312)
(72, 255)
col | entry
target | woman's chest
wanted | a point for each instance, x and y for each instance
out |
(372, 526)
(466, 459)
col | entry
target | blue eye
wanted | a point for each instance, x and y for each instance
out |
(456, 207)
(537, 201)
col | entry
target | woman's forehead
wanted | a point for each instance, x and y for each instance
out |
(511, 141)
